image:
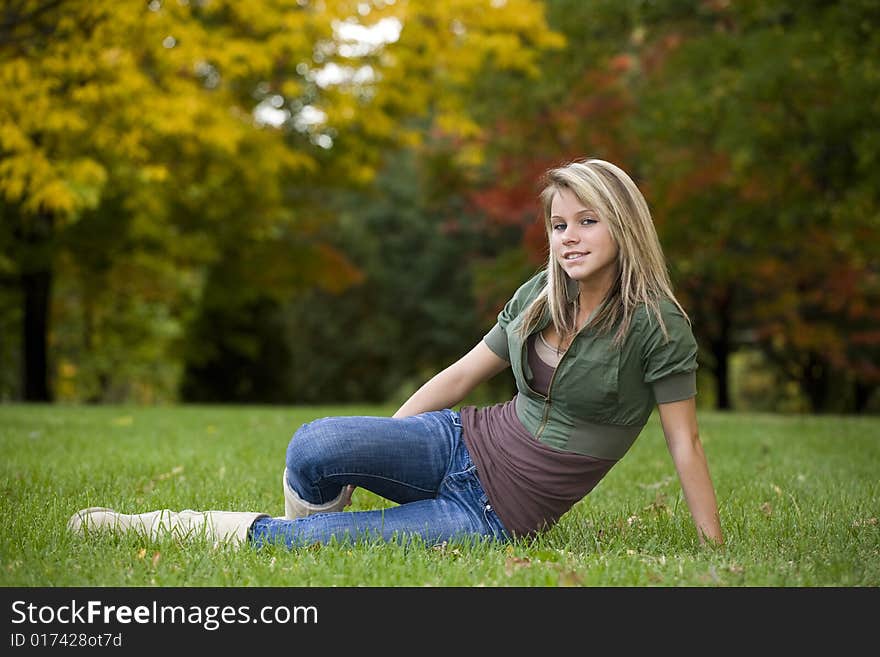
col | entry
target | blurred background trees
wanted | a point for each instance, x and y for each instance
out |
(289, 201)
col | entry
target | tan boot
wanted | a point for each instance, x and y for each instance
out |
(222, 526)
(296, 507)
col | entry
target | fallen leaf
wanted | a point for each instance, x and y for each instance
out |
(659, 505)
(176, 470)
(515, 563)
(867, 522)
(714, 574)
(711, 576)
(570, 578)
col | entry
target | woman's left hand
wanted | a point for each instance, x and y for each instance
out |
(347, 493)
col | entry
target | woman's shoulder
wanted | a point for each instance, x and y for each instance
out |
(676, 322)
(522, 297)
(531, 288)
(669, 310)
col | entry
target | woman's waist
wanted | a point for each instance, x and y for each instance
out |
(558, 428)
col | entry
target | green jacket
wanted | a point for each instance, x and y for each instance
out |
(600, 396)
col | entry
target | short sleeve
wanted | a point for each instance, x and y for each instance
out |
(496, 338)
(670, 365)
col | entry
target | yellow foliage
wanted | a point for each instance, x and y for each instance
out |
(53, 196)
(119, 92)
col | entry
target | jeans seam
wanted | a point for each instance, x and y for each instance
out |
(456, 440)
(494, 522)
(375, 476)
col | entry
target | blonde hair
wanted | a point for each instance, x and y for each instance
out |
(642, 277)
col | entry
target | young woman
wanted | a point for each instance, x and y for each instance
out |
(594, 342)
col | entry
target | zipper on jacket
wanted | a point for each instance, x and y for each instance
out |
(547, 401)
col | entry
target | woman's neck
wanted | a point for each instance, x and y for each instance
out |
(589, 298)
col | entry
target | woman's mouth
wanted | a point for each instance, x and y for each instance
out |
(574, 255)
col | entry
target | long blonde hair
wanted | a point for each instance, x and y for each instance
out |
(642, 276)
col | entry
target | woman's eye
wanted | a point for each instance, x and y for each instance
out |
(558, 226)
(586, 221)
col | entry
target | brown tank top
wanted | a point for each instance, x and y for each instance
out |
(529, 484)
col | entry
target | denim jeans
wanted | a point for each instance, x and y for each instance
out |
(419, 462)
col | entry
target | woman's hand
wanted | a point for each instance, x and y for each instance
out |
(347, 493)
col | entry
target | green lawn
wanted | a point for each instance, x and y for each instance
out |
(799, 501)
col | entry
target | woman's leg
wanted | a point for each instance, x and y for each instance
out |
(403, 460)
(231, 527)
(420, 462)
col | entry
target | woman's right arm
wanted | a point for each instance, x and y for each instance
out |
(453, 384)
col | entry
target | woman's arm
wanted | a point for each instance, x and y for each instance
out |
(453, 384)
(450, 386)
(679, 421)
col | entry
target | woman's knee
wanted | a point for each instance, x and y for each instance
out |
(298, 446)
(311, 443)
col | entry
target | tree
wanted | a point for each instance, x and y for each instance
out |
(768, 180)
(156, 111)
(760, 180)
(357, 343)
(102, 102)
(411, 313)
(577, 108)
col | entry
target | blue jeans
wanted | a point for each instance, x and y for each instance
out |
(419, 462)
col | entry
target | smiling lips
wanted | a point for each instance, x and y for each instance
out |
(574, 255)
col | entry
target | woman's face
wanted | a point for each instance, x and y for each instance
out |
(581, 241)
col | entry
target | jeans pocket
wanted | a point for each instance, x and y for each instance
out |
(455, 416)
(463, 479)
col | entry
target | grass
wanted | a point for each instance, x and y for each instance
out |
(799, 502)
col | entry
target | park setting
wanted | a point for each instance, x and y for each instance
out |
(221, 221)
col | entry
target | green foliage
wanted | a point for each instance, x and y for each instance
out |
(798, 500)
(143, 187)
(238, 354)
(412, 313)
(146, 122)
(751, 127)
(764, 182)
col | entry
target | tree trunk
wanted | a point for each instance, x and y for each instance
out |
(721, 351)
(36, 287)
(815, 382)
(863, 392)
(36, 283)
